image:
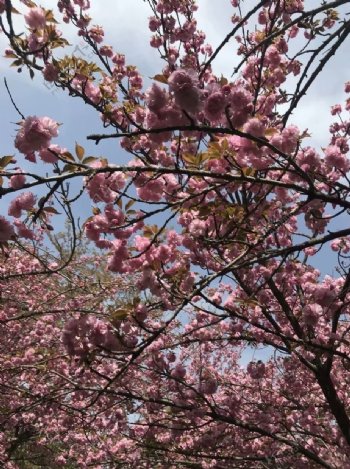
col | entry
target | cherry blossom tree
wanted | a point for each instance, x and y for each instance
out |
(219, 217)
(42, 414)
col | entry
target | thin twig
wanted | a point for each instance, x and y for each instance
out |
(12, 100)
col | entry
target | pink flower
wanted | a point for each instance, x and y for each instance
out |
(106, 51)
(197, 228)
(48, 154)
(141, 243)
(179, 372)
(156, 98)
(35, 18)
(2, 6)
(290, 138)
(152, 191)
(156, 41)
(254, 127)
(31, 157)
(23, 231)
(35, 134)
(286, 141)
(184, 85)
(24, 201)
(312, 314)
(208, 386)
(256, 369)
(17, 181)
(182, 80)
(273, 56)
(96, 33)
(92, 92)
(120, 254)
(35, 42)
(324, 294)
(189, 100)
(336, 159)
(119, 60)
(50, 72)
(6, 229)
(309, 157)
(84, 4)
(240, 98)
(341, 244)
(104, 186)
(336, 109)
(263, 17)
(241, 105)
(154, 24)
(215, 106)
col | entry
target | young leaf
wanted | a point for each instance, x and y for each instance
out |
(89, 159)
(160, 78)
(5, 160)
(79, 151)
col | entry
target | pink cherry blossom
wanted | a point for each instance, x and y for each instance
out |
(184, 85)
(17, 181)
(35, 134)
(24, 201)
(214, 106)
(6, 230)
(23, 231)
(35, 18)
(312, 314)
(96, 33)
(104, 187)
(194, 329)
(334, 157)
(50, 72)
(156, 98)
(48, 155)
